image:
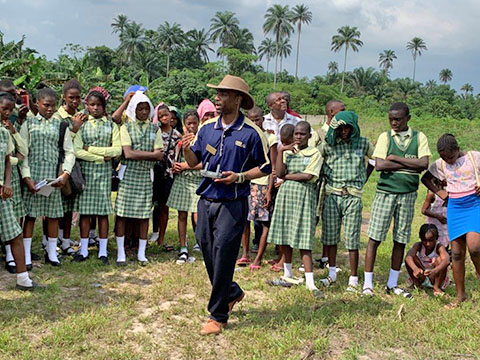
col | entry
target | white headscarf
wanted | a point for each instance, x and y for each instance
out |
(136, 99)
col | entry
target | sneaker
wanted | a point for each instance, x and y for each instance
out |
(398, 291)
(301, 268)
(196, 247)
(182, 258)
(328, 281)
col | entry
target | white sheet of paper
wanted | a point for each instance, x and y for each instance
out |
(47, 187)
(121, 171)
(152, 175)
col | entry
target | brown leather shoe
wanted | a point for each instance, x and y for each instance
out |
(233, 302)
(212, 327)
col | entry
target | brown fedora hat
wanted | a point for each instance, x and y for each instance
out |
(236, 83)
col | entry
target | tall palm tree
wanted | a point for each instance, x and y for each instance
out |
(347, 37)
(468, 88)
(278, 20)
(170, 37)
(284, 50)
(385, 60)
(445, 75)
(243, 41)
(200, 41)
(430, 85)
(132, 40)
(332, 68)
(119, 24)
(267, 50)
(300, 15)
(416, 46)
(223, 26)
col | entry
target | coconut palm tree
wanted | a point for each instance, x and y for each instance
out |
(445, 75)
(200, 41)
(347, 37)
(243, 41)
(119, 24)
(416, 46)
(430, 85)
(278, 20)
(385, 60)
(132, 40)
(267, 50)
(284, 50)
(332, 68)
(169, 38)
(467, 88)
(300, 15)
(222, 27)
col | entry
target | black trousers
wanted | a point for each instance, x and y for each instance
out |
(219, 233)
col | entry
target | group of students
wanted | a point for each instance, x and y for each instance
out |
(314, 176)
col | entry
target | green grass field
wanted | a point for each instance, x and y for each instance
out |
(155, 312)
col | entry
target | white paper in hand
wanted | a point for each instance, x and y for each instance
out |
(121, 172)
(47, 189)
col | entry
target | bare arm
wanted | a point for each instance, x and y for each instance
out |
(190, 156)
(387, 165)
(427, 180)
(131, 154)
(303, 177)
(410, 163)
(410, 255)
(117, 115)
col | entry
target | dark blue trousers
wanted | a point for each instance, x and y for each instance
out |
(219, 232)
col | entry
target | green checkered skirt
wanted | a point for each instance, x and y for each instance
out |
(338, 210)
(9, 227)
(293, 221)
(95, 199)
(134, 197)
(388, 206)
(17, 200)
(183, 195)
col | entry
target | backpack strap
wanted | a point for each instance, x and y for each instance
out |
(61, 138)
(475, 167)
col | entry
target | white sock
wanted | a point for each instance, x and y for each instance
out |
(65, 243)
(52, 249)
(24, 280)
(353, 281)
(309, 281)
(27, 246)
(368, 282)
(44, 241)
(84, 247)
(287, 270)
(142, 245)
(60, 234)
(332, 273)
(325, 259)
(102, 247)
(8, 253)
(121, 249)
(393, 278)
(92, 233)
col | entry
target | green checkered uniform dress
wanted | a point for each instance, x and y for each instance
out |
(134, 198)
(17, 198)
(9, 228)
(344, 167)
(67, 203)
(183, 195)
(293, 221)
(43, 163)
(95, 199)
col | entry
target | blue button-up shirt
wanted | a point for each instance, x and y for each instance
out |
(239, 148)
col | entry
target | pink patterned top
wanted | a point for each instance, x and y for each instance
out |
(460, 176)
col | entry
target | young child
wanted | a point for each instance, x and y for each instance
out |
(435, 210)
(96, 144)
(293, 221)
(260, 200)
(10, 230)
(176, 121)
(206, 110)
(142, 145)
(345, 173)
(42, 132)
(183, 196)
(7, 104)
(286, 138)
(427, 261)
(461, 171)
(68, 112)
(401, 154)
(163, 181)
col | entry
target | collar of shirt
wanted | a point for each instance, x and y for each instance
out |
(402, 134)
(308, 151)
(287, 119)
(63, 113)
(237, 125)
(39, 117)
(94, 121)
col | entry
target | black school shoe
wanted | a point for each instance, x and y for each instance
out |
(79, 258)
(35, 257)
(35, 286)
(104, 260)
(53, 263)
(11, 267)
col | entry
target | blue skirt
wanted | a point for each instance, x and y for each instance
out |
(463, 216)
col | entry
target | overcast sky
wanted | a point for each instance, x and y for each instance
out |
(449, 27)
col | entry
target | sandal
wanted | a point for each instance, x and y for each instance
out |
(69, 251)
(272, 262)
(166, 247)
(327, 281)
(243, 261)
(182, 258)
(254, 267)
(367, 292)
(276, 268)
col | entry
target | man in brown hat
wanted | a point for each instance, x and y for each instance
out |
(233, 151)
